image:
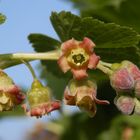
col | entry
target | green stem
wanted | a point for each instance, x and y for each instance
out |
(104, 69)
(52, 55)
(30, 69)
(105, 64)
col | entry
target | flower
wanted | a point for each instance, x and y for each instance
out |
(83, 94)
(77, 56)
(10, 94)
(40, 100)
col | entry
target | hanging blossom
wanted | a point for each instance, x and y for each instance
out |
(83, 94)
(125, 79)
(10, 94)
(40, 101)
(78, 56)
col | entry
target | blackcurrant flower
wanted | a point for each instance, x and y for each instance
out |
(10, 94)
(40, 100)
(77, 56)
(83, 94)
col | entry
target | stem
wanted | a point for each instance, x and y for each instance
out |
(104, 69)
(105, 64)
(30, 69)
(52, 55)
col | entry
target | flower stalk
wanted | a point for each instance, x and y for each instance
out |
(104, 69)
(52, 55)
(30, 69)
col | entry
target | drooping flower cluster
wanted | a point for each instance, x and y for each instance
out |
(40, 100)
(10, 94)
(126, 81)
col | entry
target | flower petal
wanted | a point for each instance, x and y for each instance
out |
(87, 44)
(54, 105)
(68, 45)
(88, 105)
(68, 98)
(62, 62)
(103, 102)
(79, 73)
(93, 61)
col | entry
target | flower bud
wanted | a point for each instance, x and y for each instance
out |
(40, 100)
(132, 69)
(10, 94)
(125, 104)
(121, 80)
(83, 94)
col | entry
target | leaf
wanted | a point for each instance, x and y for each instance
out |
(113, 42)
(65, 24)
(42, 43)
(124, 12)
(117, 55)
(105, 35)
(2, 18)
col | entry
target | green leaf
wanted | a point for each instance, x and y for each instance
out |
(111, 12)
(43, 43)
(2, 18)
(65, 24)
(118, 54)
(105, 35)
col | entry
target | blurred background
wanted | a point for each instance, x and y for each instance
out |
(32, 16)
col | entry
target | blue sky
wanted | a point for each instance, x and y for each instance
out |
(24, 17)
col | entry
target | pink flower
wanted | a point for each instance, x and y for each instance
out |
(40, 101)
(10, 94)
(77, 56)
(83, 94)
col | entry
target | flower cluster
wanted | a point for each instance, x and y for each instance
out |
(125, 79)
(10, 94)
(81, 91)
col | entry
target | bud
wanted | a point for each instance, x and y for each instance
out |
(132, 69)
(125, 104)
(10, 94)
(40, 100)
(121, 80)
(83, 94)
